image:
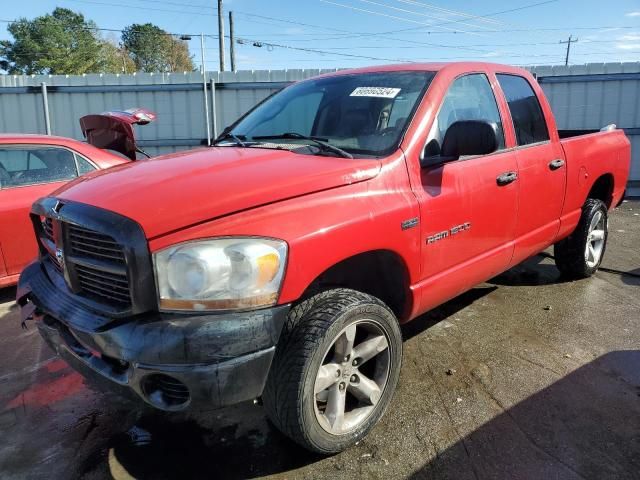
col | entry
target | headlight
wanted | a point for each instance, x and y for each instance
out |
(220, 274)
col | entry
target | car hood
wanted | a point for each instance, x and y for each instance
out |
(174, 191)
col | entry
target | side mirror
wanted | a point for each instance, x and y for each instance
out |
(465, 137)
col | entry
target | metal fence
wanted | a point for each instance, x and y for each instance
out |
(178, 100)
(591, 96)
(582, 97)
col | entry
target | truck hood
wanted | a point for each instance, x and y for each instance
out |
(171, 192)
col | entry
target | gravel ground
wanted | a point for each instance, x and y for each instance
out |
(525, 376)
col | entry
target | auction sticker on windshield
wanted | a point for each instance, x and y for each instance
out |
(380, 92)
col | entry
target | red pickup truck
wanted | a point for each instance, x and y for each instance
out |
(281, 262)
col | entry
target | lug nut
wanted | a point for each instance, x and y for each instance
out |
(355, 362)
(346, 359)
(338, 373)
(342, 387)
(353, 379)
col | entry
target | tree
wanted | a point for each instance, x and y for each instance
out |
(62, 42)
(116, 59)
(154, 50)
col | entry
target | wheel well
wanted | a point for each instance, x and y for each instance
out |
(380, 273)
(603, 189)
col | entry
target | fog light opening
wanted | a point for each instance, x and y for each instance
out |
(165, 392)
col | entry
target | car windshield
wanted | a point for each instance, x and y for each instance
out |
(360, 114)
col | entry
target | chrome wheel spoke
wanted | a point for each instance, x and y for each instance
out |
(327, 376)
(344, 396)
(369, 348)
(344, 343)
(334, 412)
(597, 235)
(595, 239)
(594, 221)
(365, 390)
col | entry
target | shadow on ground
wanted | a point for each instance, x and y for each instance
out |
(8, 295)
(237, 442)
(586, 425)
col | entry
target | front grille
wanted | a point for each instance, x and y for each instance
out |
(47, 227)
(55, 262)
(102, 285)
(96, 262)
(47, 230)
(93, 279)
(87, 243)
(102, 252)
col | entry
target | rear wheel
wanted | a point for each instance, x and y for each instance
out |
(580, 254)
(335, 369)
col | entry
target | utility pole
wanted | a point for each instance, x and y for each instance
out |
(568, 42)
(232, 48)
(204, 88)
(221, 35)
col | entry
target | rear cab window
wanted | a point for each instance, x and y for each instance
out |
(528, 119)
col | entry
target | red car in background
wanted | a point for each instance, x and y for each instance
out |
(33, 166)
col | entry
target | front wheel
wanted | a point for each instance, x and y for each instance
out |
(580, 254)
(335, 370)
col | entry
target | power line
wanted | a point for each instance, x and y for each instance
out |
(439, 25)
(394, 17)
(451, 12)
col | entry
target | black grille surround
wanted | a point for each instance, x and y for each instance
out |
(106, 265)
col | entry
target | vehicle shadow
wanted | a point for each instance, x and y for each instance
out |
(8, 295)
(530, 273)
(444, 311)
(584, 426)
(235, 442)
(632, 277)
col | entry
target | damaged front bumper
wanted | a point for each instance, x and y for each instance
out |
(171, 361)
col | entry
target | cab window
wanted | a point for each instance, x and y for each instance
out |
(469, 98)
(83, 165)
(32, 165)
(526, 113)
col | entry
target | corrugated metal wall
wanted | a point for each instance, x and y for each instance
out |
(582, 97)
(594, 95)
(177, 99)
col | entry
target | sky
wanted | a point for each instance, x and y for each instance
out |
(278, 34)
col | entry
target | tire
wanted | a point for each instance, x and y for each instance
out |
(315, 335)
(572, 255)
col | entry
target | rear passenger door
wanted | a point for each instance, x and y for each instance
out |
(541, 169)
(27, 172)
(468, 218)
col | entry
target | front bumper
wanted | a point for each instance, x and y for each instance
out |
(171, 361)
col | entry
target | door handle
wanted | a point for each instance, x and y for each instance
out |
(506, 178)
(556, 164)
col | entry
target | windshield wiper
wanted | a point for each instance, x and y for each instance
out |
(238, 140)
(319, 142)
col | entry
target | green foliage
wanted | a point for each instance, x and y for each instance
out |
(64, 42)
(154, 50)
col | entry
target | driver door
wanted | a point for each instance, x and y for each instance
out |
(468, 216)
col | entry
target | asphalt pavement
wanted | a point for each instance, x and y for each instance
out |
(526, 376)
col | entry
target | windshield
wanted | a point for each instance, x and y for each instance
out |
(362, 114)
